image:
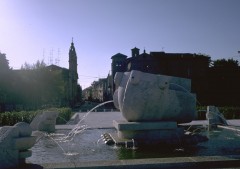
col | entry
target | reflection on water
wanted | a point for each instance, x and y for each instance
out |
(83, 147)
(88, 147)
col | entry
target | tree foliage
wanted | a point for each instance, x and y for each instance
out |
(225, 64)
(37, 65)
(33, 86)
(223, 83)
(5, 79)
(39, 85)
(4, 65)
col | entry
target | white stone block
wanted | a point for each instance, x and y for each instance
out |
(125, 125)
(146, 135)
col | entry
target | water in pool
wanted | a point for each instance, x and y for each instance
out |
(88, 146)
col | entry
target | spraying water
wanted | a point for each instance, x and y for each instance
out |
(56, 143)
(76, 130)
(80, 128)
(134, 146)
(62, 118)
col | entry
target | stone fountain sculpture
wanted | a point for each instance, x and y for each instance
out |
(152, 106)
(15, 142)
(215, 117)
(44, 121)
(148, 97)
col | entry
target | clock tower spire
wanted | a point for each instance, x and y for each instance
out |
(73, 75)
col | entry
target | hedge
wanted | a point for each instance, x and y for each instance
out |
(11, 118)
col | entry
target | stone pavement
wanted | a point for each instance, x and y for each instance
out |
(95, 120)
(105, 120)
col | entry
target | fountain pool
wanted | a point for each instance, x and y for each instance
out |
(83, 147)
(86, 146)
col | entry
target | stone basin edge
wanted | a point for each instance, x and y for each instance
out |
(177, 162)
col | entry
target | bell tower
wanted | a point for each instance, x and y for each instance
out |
(73, 75)
(135, 52)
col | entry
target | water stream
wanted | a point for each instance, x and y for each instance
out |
(79, 128)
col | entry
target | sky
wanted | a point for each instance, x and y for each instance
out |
(32, 30)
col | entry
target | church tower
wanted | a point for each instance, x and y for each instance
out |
(73, 75)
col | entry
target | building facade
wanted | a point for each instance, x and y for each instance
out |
(99, 91)
(70, 78)
(186, 65)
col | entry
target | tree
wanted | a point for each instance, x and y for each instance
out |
(79, 94)
(37, 65)
(225, 64)
(4, 65)
(224, 82)
(26, 66)
(5, 81)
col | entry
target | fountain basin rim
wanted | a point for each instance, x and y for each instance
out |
(188, 162)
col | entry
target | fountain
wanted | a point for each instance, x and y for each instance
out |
(44, 121)
(214, 117)
(64, 149)
(152, 106)
(15, 142)
(155, 111)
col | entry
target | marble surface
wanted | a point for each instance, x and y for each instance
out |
(15, 142)
(149, 97)
(45, 121)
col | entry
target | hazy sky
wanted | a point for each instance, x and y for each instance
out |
(32, 30)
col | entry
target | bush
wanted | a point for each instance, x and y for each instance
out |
(64, 115)
(11, 118)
